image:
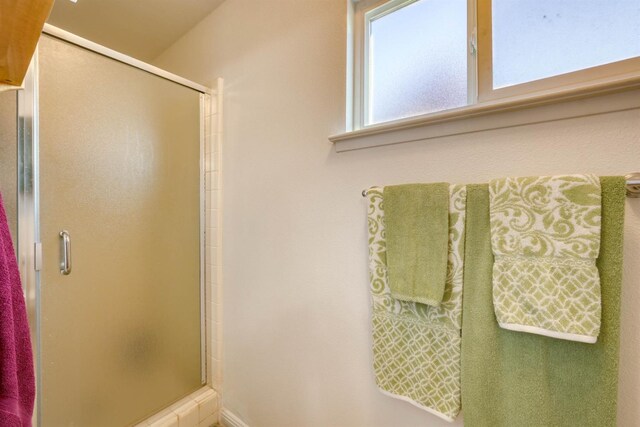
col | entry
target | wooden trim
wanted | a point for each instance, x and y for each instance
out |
(20, 26)
(485, 49)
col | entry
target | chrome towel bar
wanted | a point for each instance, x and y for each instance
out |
(633, 186)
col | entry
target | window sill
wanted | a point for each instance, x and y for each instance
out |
(585, 99)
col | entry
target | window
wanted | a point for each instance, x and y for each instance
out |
(416, 57)
(426, 75)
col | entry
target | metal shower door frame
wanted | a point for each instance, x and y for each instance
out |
(29, 248)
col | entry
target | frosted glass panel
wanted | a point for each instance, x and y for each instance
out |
(119, 170)
(418, 60)
(534, 39)
(9, 159)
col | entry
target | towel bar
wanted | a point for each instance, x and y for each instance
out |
(633, 186)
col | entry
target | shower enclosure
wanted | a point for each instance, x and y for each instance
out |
(108, 215)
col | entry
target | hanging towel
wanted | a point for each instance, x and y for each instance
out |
(417, 224)
(416, 347)
(17, 381)
(511, 379)
(545, 236)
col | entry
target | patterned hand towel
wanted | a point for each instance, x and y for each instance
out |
(511, 379)
(416, 347)
(545, 236)
(417, 224)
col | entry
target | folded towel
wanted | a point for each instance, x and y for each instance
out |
(17, 380)
(417, 224)
(545, 236)
(416, 347)
(510, 379)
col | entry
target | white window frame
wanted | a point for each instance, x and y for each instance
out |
(486, 92)
(482, 99)
(366, 11)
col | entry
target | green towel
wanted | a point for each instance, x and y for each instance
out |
(545, 236)
(511, 379)
(416, 347)
(417, 224)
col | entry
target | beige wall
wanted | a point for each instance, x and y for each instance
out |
(296, 307)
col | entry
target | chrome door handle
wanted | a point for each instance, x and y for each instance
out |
(65, 249)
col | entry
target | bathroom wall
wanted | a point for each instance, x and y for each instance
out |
(297, 347)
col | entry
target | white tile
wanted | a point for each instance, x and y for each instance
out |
(215, 375)
(209, 142)
(212, 236)
(208, 271)
(188, 415)
(207, 125)
(207, 404)
(217, 308)
(215, 333)
(208, 161)
(212, 255)
(214, 363)
(212, 275)
(210, 421)
(212, 214)
(214, 124)
(209, 100)
(213, 195)
(170, 420)
(214, 301)
(215, 345)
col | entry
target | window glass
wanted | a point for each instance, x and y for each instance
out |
(535, 39)
(417, 60)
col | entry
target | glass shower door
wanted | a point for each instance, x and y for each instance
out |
(8, 159)
(120, 213)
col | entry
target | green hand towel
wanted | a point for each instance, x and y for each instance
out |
(545, 236)
(417, 224)
(511, 379)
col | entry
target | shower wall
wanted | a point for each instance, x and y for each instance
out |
(9, 158)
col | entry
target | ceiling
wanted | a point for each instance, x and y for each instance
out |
(142, 29)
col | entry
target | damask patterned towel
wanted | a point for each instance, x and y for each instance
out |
(545, 236)
(416, 347)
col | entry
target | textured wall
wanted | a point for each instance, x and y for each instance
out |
(296, 307)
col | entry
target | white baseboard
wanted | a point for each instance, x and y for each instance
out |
(229, 419)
